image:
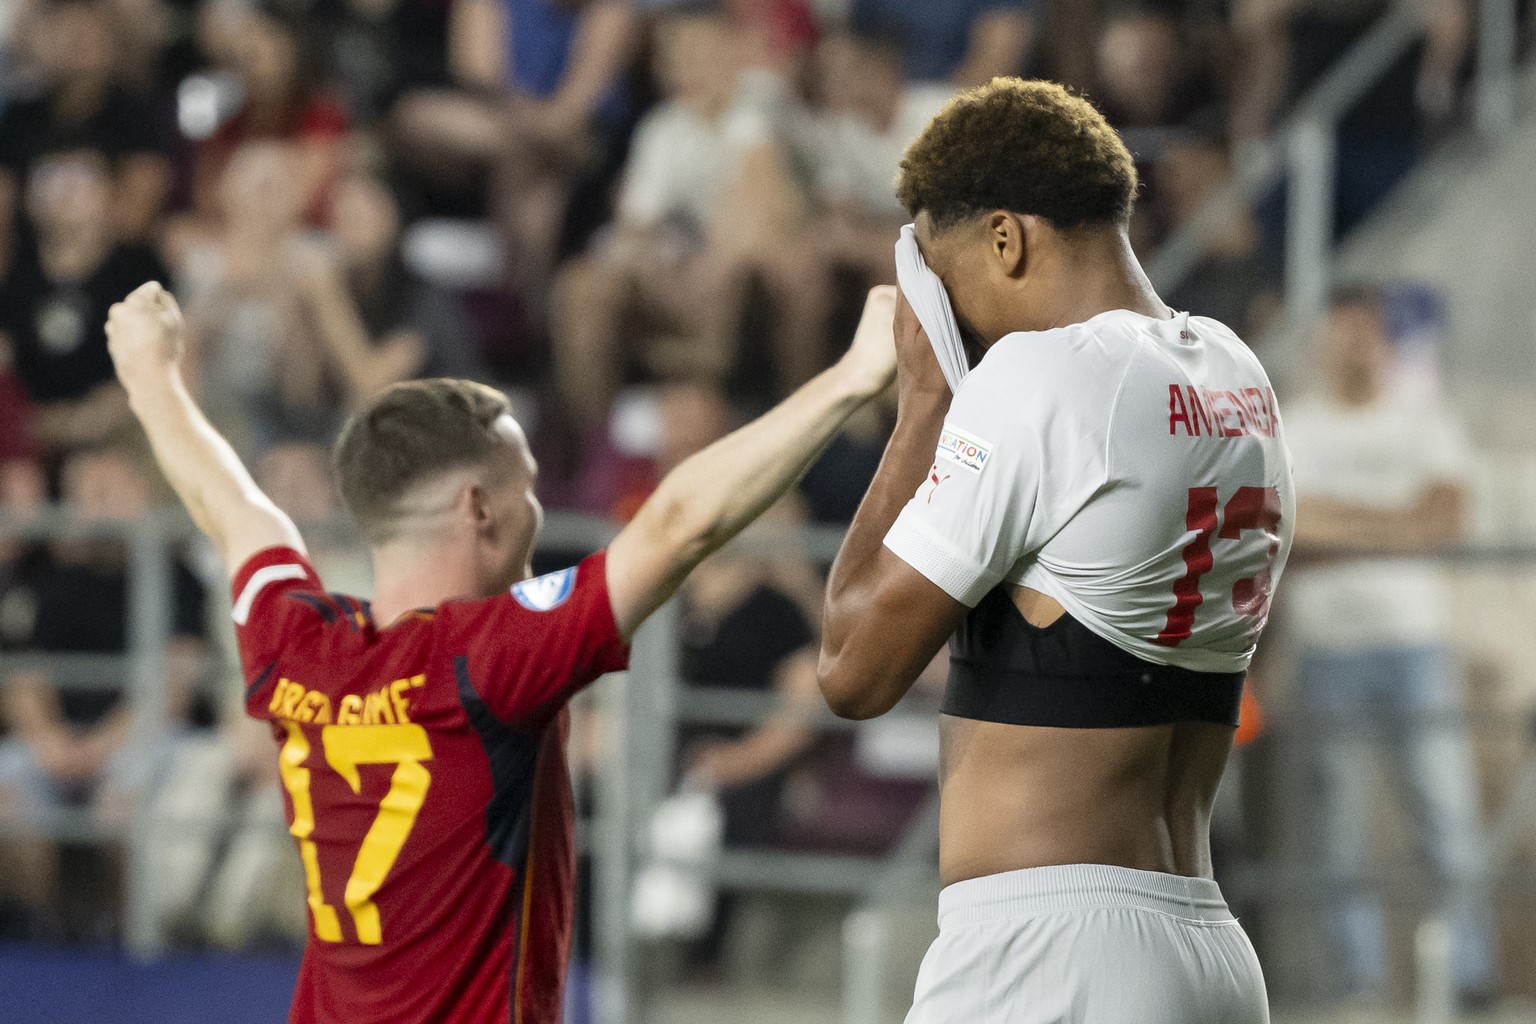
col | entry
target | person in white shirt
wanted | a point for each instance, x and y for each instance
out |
(869, 116)
(1378, 472)
(1098, 511)
(706, 192)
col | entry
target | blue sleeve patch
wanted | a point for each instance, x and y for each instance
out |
(546, 593)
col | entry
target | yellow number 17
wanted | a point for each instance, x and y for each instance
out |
(346, 747)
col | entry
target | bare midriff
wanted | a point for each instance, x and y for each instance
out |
(1018, 796)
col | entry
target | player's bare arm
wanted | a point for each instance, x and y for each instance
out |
(1088, 711)
(145, 336)
(715, 494)
(884, 621)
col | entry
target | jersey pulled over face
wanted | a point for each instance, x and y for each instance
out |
(1133, 469)
(426, 787)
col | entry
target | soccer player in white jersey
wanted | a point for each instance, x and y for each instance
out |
(1098, 516)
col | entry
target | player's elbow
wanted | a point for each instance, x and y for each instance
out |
(850, 690)
(682, 525)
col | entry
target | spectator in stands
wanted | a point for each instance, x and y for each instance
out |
(273, 57)
(68, 726)
(781, 34)
(838, 481)
(706, 203)
(1148, 77)
(21, 470)
(1152, 86)
(277, 337)
(80, 104)
(1286, 46)
(414, 328)
(23, 489)
(742, 631)
(56, 295)
(649, 431)
(1231, 282)
(262, 372)
(242, 890)
(1374, 667)
(380, 49)
(540, 100)
(868, 116)
(967, 42)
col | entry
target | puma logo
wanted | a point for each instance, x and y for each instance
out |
(936, 480)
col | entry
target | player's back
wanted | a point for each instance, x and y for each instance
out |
(1127, 477)
(1178, 521)
(424, 767)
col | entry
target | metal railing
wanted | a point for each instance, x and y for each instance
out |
(148, 542)
(1302, 153)
(648, 707)
(631, 781)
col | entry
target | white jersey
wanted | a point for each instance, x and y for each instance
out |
(1133, 469)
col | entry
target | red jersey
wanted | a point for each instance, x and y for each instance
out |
(426, 786)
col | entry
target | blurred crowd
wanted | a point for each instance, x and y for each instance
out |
(635, 213)
(646, 219)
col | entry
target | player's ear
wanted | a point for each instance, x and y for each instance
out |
(1008, 241)
(475, 507)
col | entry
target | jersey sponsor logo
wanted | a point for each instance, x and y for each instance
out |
(547, 592)
(1207, 412)
(964, 450)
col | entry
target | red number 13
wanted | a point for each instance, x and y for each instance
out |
(1251, 508)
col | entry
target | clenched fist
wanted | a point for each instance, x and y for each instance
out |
(144, 335)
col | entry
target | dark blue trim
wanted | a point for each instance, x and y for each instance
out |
(319, 604)
(261, 680)
(513, 755)
(347, 611)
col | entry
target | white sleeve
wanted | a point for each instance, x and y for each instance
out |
(968, 524)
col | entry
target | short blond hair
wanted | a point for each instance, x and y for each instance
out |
(407, 434)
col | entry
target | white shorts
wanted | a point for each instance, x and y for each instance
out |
(1088, 944)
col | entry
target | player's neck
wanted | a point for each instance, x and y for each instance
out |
(1089, 277)
(413, 575)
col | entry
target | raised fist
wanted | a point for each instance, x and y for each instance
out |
(144, 333)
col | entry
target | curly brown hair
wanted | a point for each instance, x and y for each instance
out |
(1029, 147)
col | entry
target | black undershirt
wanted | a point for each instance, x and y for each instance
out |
(1002, 669)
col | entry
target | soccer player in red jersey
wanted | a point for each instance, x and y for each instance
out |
(423, 734)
